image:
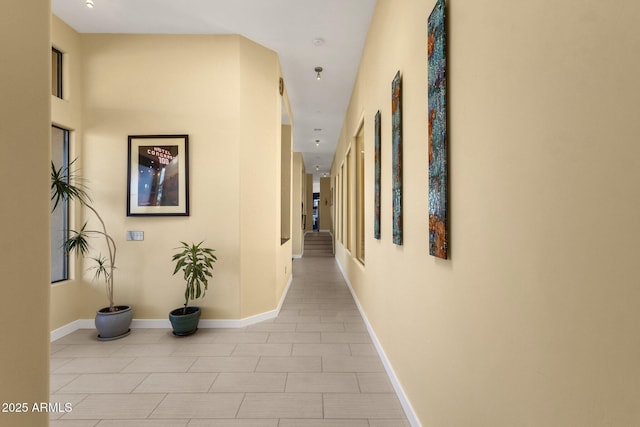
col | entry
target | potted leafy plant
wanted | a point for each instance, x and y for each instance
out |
(112, 322)
(196, 263)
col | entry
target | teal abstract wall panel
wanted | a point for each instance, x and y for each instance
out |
(396, 156)
(376, 196)
(437, 107)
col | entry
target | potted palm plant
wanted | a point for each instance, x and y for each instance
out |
(112, 322)
(196, 263)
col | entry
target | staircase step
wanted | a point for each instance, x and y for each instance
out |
(318, 244)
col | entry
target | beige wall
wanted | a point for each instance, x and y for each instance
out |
(260, 119)
(25, 123)
(284, 262)
(67, 296)
(166, 85)
(223, 92)
(534, 319)
(286, 181)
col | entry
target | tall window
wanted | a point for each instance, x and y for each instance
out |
(60, 216)
(56, 72)
(360, 195)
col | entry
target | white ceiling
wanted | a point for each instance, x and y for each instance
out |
(288, 27)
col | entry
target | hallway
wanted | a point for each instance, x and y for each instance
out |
(314, 365)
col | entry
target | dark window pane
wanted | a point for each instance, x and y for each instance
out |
(56, 72)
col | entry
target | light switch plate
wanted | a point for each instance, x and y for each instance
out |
(135, 235)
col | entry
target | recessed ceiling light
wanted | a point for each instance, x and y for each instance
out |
(317, 129)
(319, 41)
(89, 4)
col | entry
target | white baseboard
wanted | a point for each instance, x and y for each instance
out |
(284, 295)
(165, 324)
(72, 327)
(404, 400)
(296, 256)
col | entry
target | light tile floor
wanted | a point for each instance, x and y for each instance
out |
(314, 365)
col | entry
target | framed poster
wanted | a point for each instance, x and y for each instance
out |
(158, 175)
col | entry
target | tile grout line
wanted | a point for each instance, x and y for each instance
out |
(133, 359)
(148, 374)
(157, 405)
(244, 396)
(214, 381)
(195, 359)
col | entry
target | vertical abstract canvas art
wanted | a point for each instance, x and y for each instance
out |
(437, 104)
(396, 156)
(376, 155)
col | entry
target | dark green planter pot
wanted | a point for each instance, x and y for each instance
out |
(184, 324)
(112, 325)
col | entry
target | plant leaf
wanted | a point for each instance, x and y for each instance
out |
(66, 185)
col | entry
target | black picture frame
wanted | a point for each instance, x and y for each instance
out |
(158, 175)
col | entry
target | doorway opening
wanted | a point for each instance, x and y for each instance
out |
(316, 212)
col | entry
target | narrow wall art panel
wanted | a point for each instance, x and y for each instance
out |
(396, 160)
(376, 197)
(437, 103)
